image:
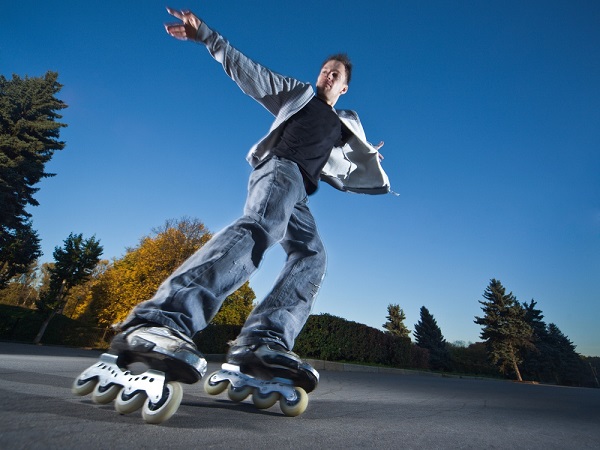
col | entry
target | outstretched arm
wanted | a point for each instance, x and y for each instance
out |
(270, 89)
(187, 29)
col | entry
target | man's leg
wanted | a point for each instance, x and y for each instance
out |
(263, 348)
(189, 299)
(279, 318)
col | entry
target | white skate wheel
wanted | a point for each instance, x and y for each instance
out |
(264, 401)
(214, 388)
(297, 407)
(238, 394)
(168, 405)
(125, 404)
(105, 394)
(83, 387)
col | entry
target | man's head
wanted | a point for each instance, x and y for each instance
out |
(334, 78)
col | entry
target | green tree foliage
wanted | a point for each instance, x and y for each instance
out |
(567, 365)
(428, 335)
(19, 248)
(395, 321)
(553, 358)
(29, 132)
(537, 364)
(73, 265)
(505, 331)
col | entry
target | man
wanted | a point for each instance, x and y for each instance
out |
(308, 141)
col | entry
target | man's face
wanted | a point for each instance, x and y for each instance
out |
(331, 82)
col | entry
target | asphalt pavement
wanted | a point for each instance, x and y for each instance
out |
(353, 407)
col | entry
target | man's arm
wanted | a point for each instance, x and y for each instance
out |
(270, 89)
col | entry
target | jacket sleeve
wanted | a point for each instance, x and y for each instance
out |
(270, 89)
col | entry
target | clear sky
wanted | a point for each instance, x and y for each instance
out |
(490, 113)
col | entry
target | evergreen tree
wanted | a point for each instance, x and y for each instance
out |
(29, 133)
(19, 249)
(428, 335)
(395, 322)
(553, 358)
(567, 365)
(533, 317)
(536, 360)
(505, 331)
(73, 265)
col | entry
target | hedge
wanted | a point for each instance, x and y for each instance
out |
(324, 337)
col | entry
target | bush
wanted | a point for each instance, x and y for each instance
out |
(332, 338)
(215, 338)
(324, 337)
(20, 324)
(419, 358)
(471, 360)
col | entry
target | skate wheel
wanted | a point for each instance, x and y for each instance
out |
(83, 387)
(214, 387)
(105, 394)
(264, 401)
(238, 394)
(296, 407)
(128, 403)
(166, 406)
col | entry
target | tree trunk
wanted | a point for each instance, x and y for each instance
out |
(40, 334)
(61, 294)
(516, 369)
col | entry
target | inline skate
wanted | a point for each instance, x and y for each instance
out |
(268, 372)
(170, 358)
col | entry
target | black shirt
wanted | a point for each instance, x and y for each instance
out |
(308, 138)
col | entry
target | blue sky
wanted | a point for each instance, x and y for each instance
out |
(490, 113)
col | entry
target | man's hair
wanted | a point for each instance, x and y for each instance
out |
(345, 60)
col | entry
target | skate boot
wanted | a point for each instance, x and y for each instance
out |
(170, 358)
(270, 373)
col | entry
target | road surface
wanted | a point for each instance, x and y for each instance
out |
(350, 409)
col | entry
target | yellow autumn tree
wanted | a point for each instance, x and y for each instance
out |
(80, 297)
(136, 276)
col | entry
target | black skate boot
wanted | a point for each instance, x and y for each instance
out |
(272, 360)
(160, 348)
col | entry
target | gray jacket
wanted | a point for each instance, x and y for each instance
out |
(355, 167)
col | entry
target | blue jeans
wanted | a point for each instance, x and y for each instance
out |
(276, 210)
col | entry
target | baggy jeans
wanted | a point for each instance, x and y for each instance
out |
(276, 210)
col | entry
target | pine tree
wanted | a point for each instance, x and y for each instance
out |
(73, 265)
(567, 364)
(29, 133)
(428, 335)
(505, 331)
(536, 360)
(19, 249)
(395, 322)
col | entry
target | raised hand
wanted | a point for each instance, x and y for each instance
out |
(187, 29)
